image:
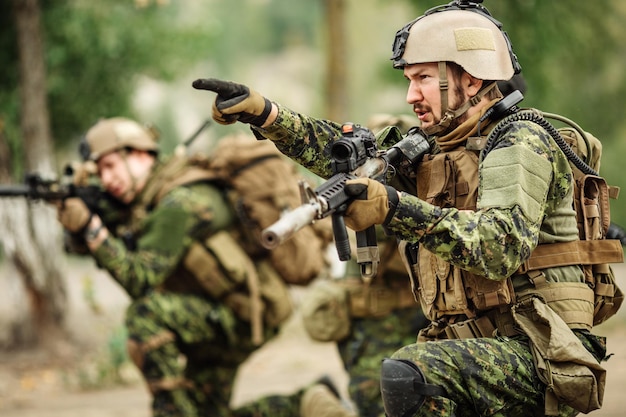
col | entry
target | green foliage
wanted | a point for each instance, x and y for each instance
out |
(275, 25)
(9, 76)
(94, 53)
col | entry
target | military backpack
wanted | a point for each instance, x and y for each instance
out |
(232, 265)
(593, 251)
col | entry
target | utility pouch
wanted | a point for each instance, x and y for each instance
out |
(447, 290)
(274, 293)
(593, 211)
(218, 264)
(254, 291)
(325, 311)
(571, 374)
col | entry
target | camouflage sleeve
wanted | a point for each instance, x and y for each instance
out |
(304, 139)
(496, 238)
(491, 243)
(182, 215)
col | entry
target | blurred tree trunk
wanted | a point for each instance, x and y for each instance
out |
(336, 69)
(31, 235)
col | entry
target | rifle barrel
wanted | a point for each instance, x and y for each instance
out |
(17, 190)
(289, 223)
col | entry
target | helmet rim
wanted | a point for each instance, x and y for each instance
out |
(116, 133)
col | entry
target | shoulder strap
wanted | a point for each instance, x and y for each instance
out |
(175, 172)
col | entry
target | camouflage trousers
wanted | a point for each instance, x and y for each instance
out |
(493, 377)
(371, 340)
(188, 350)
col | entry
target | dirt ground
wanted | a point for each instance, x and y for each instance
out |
(71, 378)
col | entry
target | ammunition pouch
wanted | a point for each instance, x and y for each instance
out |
(446, 290)
(253, 290)
(371, 301)
(329, 306)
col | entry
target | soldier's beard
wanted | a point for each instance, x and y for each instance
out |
(459, 98)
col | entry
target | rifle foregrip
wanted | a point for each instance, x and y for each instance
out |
(342, 242)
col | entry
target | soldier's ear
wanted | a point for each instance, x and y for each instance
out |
(470, 84)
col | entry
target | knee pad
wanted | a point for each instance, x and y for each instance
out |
(403, 387)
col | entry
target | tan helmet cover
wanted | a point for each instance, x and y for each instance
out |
(464, 37)
(116, 133)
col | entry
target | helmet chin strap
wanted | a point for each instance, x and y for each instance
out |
(448, 115)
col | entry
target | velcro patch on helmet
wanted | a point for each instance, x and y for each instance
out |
(471, 39)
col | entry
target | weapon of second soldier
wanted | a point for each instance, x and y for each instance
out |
(36, 187)
(354, 155)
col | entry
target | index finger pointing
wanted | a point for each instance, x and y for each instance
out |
(226, 89)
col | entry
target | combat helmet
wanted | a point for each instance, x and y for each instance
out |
(117, 133)
(463, 32)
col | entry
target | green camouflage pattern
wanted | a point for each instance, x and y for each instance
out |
(214, 347)
(164, 301)
(492, 241)
(371, 340)
(304, 139)
(486, 376)
(307, 141)
(163, 237)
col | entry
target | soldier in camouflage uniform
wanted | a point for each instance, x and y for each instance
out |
(146, 249)
(506, 338)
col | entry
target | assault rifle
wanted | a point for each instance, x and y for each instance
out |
(36, 187)
(354, 155)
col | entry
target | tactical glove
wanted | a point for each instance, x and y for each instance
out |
(374, 203)
(235, 102)
(73, 214)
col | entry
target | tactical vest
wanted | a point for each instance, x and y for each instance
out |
(467, 305)
(450, 179)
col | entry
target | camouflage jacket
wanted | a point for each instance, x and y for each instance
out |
(162, 236)
(524, 197)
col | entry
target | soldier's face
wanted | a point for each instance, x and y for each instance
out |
(123, 174)
(423, 92)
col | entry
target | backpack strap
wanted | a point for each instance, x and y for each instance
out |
(175, 172)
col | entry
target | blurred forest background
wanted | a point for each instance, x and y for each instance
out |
(67, 63)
